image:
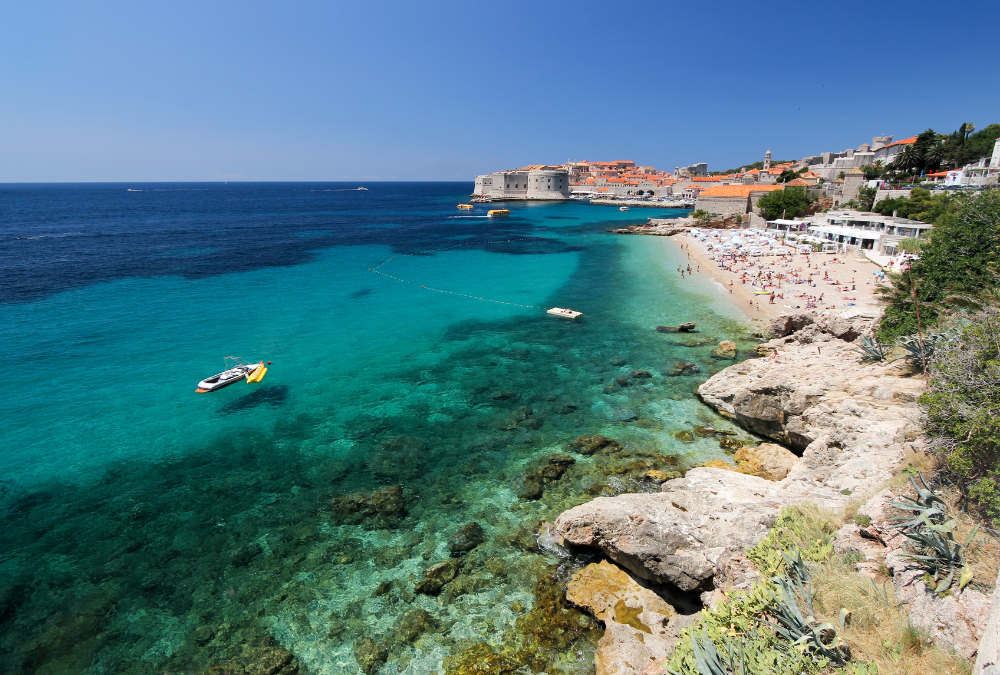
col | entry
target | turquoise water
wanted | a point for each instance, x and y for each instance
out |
(150, 529)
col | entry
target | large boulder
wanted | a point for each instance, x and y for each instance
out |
(640, 627)
(678, 536)
(786, 324)
(767, 460)
(725, 350)
(821, 394)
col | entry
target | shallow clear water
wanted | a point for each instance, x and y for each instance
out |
(150, 529)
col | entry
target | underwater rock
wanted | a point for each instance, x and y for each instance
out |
(532, 423)
(399, 458)
(682, 328)
(618, 361)
(379, 509)
(532, 486)
(533, 482)
(370, 655)
(725, 350)
(478, 659)
(640, 375)
(265, 657)
(730, 444)
(696, 342)
(657, 476)
(707, 432)
(463, 585)
(466, 538)
(683, 368)
(623, 415)
(623, 381)
(436, 576)
(636, 620)
(684, 435)
(244, 555)
(504, 395)
(526, 539)
(590, 444)
(413, 624)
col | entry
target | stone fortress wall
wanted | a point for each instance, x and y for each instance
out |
(524, 184)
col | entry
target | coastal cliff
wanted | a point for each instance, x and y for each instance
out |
(852, 425)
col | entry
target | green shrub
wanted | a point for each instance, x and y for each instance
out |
(960, 252)
(794, 529)
(962, 409)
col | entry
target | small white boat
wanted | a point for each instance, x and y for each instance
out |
(232, 375)
(363, 189)
(564, 313)
(623, 208)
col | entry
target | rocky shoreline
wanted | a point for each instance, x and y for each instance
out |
(850, 426)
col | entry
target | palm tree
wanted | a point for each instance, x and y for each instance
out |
(908, 158)
(934, 155)
(964, 131)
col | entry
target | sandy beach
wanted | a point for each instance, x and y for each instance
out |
(838, 281)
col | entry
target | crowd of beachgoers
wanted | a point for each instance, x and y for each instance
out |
(782, 278)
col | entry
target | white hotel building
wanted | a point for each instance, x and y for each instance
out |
(859, 230)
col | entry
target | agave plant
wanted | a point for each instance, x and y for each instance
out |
(919, 350)
(871, 350)
(804, 632)
(938, 555)
(926, 507)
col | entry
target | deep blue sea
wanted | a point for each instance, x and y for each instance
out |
(150, 529)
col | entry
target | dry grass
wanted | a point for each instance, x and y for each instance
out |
(878, 629)
(983, 554)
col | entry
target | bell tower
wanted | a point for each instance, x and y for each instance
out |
(767, 160)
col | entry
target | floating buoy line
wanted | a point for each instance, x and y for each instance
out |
(377, 269)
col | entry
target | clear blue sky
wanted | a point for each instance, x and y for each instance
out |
(306, 90)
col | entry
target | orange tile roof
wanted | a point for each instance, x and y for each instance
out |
(738, 190)
(906, 141)
(797, 182)
(707, 179)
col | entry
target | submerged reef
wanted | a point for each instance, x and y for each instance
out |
(400, 537)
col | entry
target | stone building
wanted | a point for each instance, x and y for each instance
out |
(533, 182)
(854, 180)
(700, 169)
(728, 200)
